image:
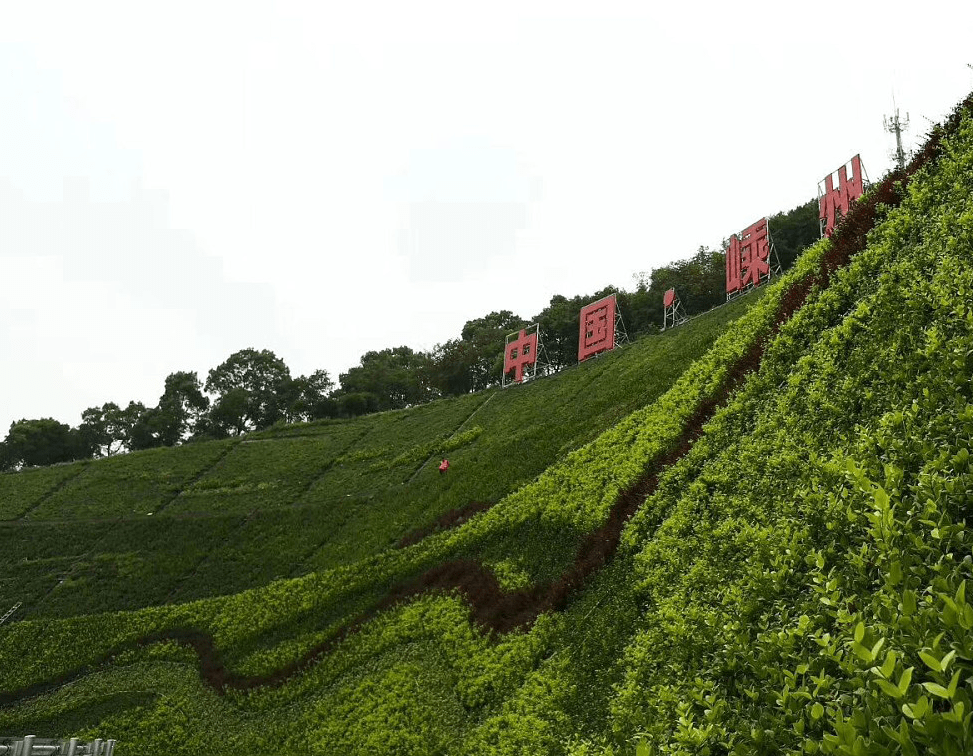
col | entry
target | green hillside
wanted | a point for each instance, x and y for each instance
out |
(210, 518)
(745, 536)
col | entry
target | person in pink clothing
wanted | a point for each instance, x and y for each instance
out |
(443, 466)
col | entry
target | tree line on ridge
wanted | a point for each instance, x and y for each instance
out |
(254, 389)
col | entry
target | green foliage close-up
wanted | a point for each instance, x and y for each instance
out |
(745, 535)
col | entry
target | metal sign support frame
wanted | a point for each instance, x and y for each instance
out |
(621, 335)
(674, 315)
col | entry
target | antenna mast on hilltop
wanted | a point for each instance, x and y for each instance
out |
(894, 125)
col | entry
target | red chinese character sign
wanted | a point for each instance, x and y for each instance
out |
(834, 203)
(750, 258)
(598, 327)
(520, 355)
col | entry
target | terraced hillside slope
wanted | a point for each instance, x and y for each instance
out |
(173, 524)
(770, 557)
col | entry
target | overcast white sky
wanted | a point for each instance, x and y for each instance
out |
(182, 180)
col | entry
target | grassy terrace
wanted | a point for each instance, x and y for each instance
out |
(218, 517)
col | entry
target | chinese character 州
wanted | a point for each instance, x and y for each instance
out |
(834, 204)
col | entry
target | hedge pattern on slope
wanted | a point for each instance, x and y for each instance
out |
(835, 570)
(694, 557)
(578, 492)
(139, 483)
(217, 674)
(524, 430)
(22, 491)
(689, 733)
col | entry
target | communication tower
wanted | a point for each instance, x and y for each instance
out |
(895, 125)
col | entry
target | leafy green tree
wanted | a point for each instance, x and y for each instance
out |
(130, 417)
(104, 429)
(560, 324)
(353, 405)
(31, 443)
(486, 337)
(310, 397)
(637, 310)
(793, 231)
(248, 386)
(452, 367)
(397, 377)
(180, 407)
(148, 430)
(108, 429)
(94, 430)
(230, 414)
(699, 281)
(475, 360)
